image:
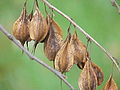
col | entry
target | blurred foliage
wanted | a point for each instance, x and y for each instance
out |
(97, 17)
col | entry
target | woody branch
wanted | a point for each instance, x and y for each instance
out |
(113, 59)
(58, 74)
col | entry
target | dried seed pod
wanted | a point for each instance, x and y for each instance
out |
(64, 58)
(88, 79)
(80, 54)
(110, 85)
(38, 27)
(99, 73)
(20, 27)
(53, 41)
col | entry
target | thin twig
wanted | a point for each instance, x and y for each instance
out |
(85, 33)
(115, 4)
(58, 74)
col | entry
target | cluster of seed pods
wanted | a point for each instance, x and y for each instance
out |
(63, 53)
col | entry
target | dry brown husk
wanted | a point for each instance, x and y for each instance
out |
(88, 78)
(20, 27)
(38, 27)
(64, 59)
(80, 53)
(53, 41)
(99, 73)
(110, 84)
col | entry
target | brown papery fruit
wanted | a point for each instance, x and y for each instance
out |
(99, 73)
(64, 59)
(88, 78)
(53, 41)
(110, 85)
(38, 27)
(20, 27)
(80, 53)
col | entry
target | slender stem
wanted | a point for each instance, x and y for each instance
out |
(85, 33)
(58, 74)
(115, 4)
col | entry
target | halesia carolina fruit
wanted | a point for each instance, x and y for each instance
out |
(80, 53)
(53, 41)
(64, 59)
(88, 79)
(20, 27)
(38, 27)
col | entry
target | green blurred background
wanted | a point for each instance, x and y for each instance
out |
(97, 17)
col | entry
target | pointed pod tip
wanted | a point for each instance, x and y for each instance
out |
(110, 84)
